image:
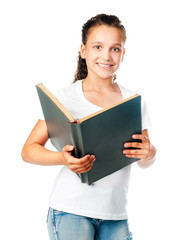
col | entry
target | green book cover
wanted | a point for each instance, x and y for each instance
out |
(102, 133)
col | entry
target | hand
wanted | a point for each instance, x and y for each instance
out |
(144, 147)
(77, 165)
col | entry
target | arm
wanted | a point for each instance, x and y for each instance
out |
(34, 152)
(146, 151)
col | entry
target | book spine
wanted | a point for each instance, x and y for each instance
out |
(79, 147)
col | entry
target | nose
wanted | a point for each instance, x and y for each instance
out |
(106, 56)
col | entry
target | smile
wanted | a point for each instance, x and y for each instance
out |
(107, 66)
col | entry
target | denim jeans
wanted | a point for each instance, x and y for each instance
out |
(66, 226)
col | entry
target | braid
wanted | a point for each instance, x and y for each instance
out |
(100, 19)
(82, 70)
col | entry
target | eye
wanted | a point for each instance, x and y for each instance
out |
(116, 49)
(97, 47)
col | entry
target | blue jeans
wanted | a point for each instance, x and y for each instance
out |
(66, 226)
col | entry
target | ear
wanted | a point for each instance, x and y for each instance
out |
(124, 50)
(83, 51)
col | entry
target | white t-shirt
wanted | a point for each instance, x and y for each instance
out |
(107, 197)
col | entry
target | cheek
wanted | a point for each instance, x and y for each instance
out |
(118, 60)
(92, 56)
(117, 57)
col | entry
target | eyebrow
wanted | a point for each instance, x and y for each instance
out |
(115, 44)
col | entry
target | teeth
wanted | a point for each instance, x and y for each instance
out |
(104, 65)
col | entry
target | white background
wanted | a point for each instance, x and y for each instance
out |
(39, 42)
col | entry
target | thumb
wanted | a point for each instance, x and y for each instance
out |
(68, 148)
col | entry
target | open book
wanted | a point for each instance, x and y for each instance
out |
(102, 133)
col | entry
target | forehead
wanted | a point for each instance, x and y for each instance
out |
(105, 34)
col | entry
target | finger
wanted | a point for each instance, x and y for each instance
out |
(133, 144)
(144, 145)
(78, 161)
(85, 166)
(84, 160)
(79, 169)
(81, 162)
(68, 148)
(137, 145)
(141, 137)
(144, 152)
(136, 156)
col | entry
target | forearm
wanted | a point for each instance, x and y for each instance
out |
(38, 154)
(146, 162)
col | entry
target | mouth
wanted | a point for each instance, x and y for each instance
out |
(105, 66)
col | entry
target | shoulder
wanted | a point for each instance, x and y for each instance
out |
(126, 92)
(68, 91)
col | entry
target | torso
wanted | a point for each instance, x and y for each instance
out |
(99, 200)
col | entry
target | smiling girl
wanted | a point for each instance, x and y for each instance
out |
(79, 211)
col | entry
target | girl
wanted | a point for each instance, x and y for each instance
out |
(98, 211)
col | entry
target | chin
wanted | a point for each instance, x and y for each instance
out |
(106, 77)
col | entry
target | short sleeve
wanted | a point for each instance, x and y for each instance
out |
(146, 123)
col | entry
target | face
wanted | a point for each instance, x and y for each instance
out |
(104, 51)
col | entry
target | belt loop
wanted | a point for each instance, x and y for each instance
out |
(52, 214)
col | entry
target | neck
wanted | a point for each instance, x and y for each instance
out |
(98, 84)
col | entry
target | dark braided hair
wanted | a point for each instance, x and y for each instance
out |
(100, 19)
